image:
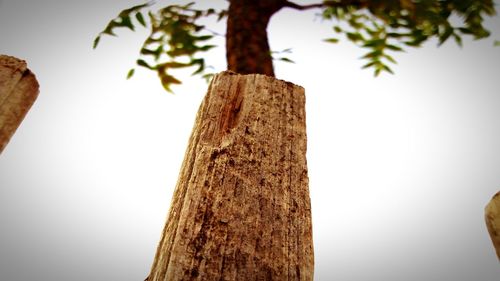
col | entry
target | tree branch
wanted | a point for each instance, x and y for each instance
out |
(332, 3)
(296, 6)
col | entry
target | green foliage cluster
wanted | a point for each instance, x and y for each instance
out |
(389, 26)
(124, 19)
(175, 34)
(380, 26)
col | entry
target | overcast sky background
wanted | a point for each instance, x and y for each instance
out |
(400, 166)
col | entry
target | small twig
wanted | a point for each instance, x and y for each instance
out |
(214, 33)
(304, 7)
(325, 4)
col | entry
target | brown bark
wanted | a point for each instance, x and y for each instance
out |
(492, 216)
(18, 91)
(241, 207)
(247, 46)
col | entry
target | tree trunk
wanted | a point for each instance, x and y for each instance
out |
(492, 215)
(18, 91)
(241, 207)
(247, 46)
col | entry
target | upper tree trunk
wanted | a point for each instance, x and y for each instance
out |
(18, 91)
(247, 46)
(241, 207)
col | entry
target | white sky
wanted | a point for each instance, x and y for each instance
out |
(400, 166)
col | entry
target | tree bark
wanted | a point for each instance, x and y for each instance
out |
(241, 207)
(247, 46)
(492, 216)
(18, 92)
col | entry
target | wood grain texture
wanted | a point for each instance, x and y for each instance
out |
(241, 208)
(492, 216)
(18, 92)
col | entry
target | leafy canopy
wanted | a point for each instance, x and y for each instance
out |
(178, 37)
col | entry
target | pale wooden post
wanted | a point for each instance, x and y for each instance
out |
(241, 207)
(492, 216)
(18, 91)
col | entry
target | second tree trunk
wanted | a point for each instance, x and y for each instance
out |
(18, 92)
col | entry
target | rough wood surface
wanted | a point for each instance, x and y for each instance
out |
(241, 207)
(18, 91)
(492, 215)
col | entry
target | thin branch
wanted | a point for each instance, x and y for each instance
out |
(304, 7)
(332, 3)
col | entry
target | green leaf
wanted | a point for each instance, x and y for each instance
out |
(389, 58)
(200, 63)
(174, 64)
(203, 37)
(396, 35)
(480, 34)
(379, 67)
(127, 12)
(96, 42)
(127, 22)
(355, 36)
(210, 12)
(337, 29)
(143, 63)
(123, 19)
(206, 47)
(387, 68)
(370, 64)
(374, 54)
(447, 33)
(394, 48)
(354, 23)
(374, 43)
(458, 39)
(188, 5)
(466, 30)
(167, 81)
(208, 76)
(412, 43)
(332, 40)
(109, 28)
(140, 19)
(496, 43)
(155, 53)
(286, 60)
(222, 14)
(130, 73)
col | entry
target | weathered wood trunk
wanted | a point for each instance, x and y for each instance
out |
(241, 207)
(18, 91)
(492, 215)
